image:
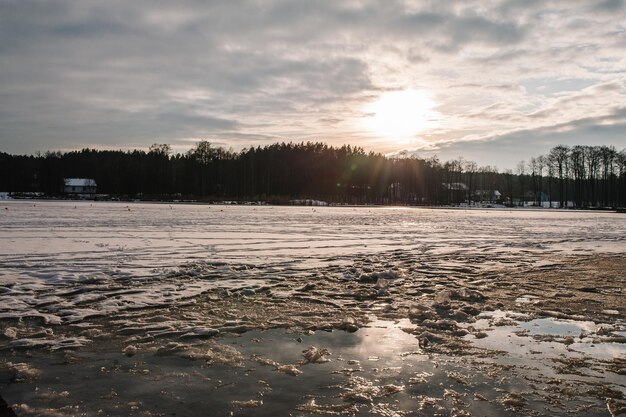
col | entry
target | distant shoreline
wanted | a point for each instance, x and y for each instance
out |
(329, 205)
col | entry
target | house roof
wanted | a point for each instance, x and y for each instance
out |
(458, 186)
(80, 182)
(495, 193)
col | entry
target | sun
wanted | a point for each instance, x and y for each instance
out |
(400, 115)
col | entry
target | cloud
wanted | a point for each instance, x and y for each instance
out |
(83, 73)
(515, 145)
(610, 6)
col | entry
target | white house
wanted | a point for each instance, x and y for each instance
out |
(490, 196)
(308, 203)
(83, 187)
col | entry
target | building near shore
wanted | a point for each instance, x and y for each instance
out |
(80, 187)
(487, 196)
(307, 203)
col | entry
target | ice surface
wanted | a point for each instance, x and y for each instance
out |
(556, 327)
(68, 261)
(73, 262)
(147, 280)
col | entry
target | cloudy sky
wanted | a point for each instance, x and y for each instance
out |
(492, 81)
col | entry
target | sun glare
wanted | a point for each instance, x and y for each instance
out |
(400, 115)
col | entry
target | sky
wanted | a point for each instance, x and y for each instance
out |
(495, 82)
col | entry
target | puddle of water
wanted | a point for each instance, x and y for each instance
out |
(521, 338)
(527, 299)
(377, 370)
(519, 348)
(555, 327)
(168, 384)
(604, 351)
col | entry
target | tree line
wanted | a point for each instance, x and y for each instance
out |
(577, 176)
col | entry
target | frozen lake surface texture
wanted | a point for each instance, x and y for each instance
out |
(115, 309)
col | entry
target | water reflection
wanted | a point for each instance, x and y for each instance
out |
(377, 370)
(378, 365)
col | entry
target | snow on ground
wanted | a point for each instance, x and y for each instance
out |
(153, 279)
(74, 259)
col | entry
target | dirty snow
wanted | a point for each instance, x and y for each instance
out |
(465, 296)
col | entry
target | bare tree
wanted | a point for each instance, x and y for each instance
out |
(558, 155)
(577, 165)
(621, 186)
(551, 169)
(541, 162)
(521, 172)
(470, 170)
(163, 149)
(533, 166)
(607, 157)
(592, 158)
(508, 175)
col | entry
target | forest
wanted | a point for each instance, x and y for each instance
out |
(567, 176)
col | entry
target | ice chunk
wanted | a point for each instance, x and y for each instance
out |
(382, 286)
(224, 354)
(391, 389)
(10, 332)
(92, 333)
(240, 328)
(442, 299)
(312, 407)
(307, 287)
(420, 312)
(442, 324)
(349, 325)
(420, 378)
(470, 295)
(315, 355)
(610, 312)
(361, 390)
(130, 350)
(265, 361)
(248, 292)
(513, 401)
(427, 338)
(616, 407)
(375, 276)
(443, 296)
(169, 349)
(22, 372)
(247, 404)
(457, 377)
(289, 370)
(53, 344)
(201, 332)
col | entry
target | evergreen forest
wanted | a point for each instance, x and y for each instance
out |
(567, 176)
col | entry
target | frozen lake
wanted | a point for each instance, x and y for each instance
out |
(114, 280)
(48, 247)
